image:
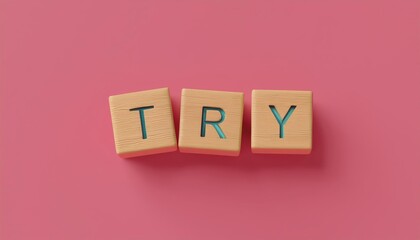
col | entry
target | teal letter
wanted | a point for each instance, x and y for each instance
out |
(282, 122)
(215, 124)
(142, 121)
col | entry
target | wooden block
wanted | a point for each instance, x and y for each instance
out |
(143, 123)
(281, 122)
(211, 122)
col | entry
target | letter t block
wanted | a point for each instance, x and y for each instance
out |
(211, 122)
(281, 122)
(143, 123)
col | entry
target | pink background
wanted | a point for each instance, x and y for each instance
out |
(61, 178)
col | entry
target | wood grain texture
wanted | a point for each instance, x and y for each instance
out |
(159, 123)
(265, 130)
(192, 103)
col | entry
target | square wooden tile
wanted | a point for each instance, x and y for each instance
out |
(272, 109)
(143, 123)
(211, 122)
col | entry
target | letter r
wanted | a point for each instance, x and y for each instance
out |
(215, 124)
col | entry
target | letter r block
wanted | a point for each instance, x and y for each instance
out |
(143, 123)
(211, 122)
(281, 122)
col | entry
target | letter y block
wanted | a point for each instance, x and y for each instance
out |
(281, 122)
(143, 123)
(211, 122)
